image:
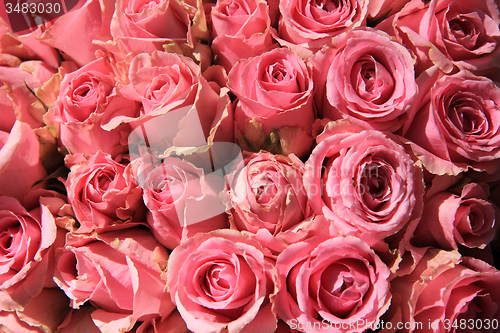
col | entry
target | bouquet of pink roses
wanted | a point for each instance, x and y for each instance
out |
(249, 166)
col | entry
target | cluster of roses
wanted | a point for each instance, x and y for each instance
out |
(182, 165)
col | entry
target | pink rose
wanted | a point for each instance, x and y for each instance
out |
(313, 24)
(162, 81)
(75, 32)
(369, 78)
(222, 280)
(324, 283)
(28, 240)
(450, 32)
(103, 192)
(87, 101)
(241, 29)
(118, 271)
(43, 314)
(26, 46)
(182, 199)
(173, 92)
(452, 218)
(447, 293)
(267, 193)
(456, 124)
(365, 178)
(176, 26)
(20, 165)
(274, 110)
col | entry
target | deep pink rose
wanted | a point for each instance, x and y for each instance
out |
(368, 78)
(449, 32)
(312, 24)
(118, 271)
(103, 192)
(87, 101)
(27, 241)
(326, 282)
(222, 280)
(452, 218)
(43, 314)
(268, 193)
(456, 124)
(365, 178)
(241, 29)
(274, 110)
(182, 199)
(447, 293)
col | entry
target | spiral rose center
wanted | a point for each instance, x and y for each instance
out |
(232, 9)
(463, 28)
(372, 80)
(263, 188)
(328, 5)
(466, 115)
(343, 286)
(373, 184)
(139, 6)
(9, 239)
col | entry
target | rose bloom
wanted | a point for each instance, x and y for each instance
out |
(339, 280)
(365, 178)
(274, 110)
(369, 78)
(241, 29)
(267, 193)
(312, 24)
(457, 124)
(452, 218)
(27, 241)
(161, 81)
(103, 192)
(87, 101)
(144, 26)
(447, 293)
(118, 271)
(222, 280)
(74, 32)
(182, 199)
(449, 32)
(172, 89)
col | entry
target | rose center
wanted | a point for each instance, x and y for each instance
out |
(328, 5)
(466, 115)
(461, 27)
(263, 188)
(232, 9)
(372, 80)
